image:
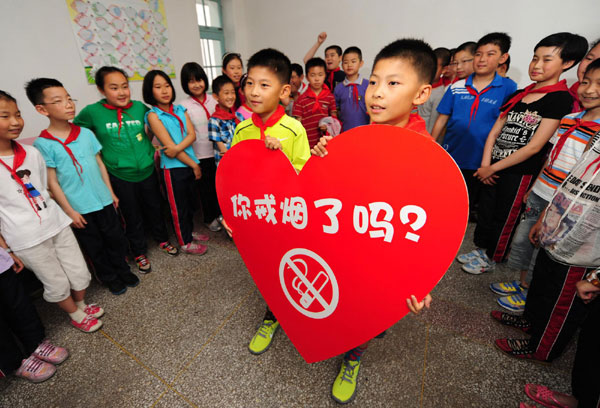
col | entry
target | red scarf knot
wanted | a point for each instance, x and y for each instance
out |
(18, 160)
(323, 94)
(355, 97)
(475, 105)
(594, 126)
(273, 119)
(202, 103)
(559, 86)
(223, 114)
(330, 75)
(73, 135)
(119, 113)
(172, 113)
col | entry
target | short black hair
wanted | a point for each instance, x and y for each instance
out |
(573, 47)
(315, 62)
(5, 96)
(469, 46)
(353, 50)
(442, 54)
(592, 45)
(337, 49)
(35, 89)
(297, 68)
(219, 82)
(148, 85)
(507, 63)
(189, 71)
(275, 61)
(230, 56)
(102, 72)
(502, 40)
(417, 52)
(594, 65)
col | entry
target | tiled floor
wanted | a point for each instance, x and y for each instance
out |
(180, 339)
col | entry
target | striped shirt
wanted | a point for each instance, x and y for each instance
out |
(303, 110)
(553, 175)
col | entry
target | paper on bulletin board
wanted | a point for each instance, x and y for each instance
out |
(129, 34)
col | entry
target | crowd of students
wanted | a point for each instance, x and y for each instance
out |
(530, 158)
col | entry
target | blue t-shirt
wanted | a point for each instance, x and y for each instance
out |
(464, 141)
(87, 193)
(351, 115)
(172, 125)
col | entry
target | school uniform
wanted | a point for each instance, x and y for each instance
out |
(350, 102)
(311, 108)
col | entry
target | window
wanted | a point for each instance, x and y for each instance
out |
(212, 40)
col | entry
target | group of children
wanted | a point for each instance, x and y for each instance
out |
(99, 168)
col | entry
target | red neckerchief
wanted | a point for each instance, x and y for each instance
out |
(438, 83)
(354, 93)
(330, 75)
(417, 124)
(273, 119)
(594, 127)
(202, 104)
(222, 114)
(172, 112)
(119, 112)
(573, 91)
(559, 86)
(311, 94)
(18, 160)
(475, 105)
(73, 134)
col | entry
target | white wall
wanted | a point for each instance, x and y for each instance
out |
(292, 26)
(37, 40)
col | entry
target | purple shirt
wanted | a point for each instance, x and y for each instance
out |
(5, 260)
(350, 114)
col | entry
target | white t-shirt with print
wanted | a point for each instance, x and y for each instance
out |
(203, 148)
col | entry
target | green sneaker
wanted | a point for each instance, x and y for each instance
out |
(263, 337)
(344, 386)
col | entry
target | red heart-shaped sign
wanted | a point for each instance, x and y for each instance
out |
(337, 249)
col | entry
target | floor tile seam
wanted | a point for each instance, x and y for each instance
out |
(211, 337)
(424, 366)
(146, 367)
(162, 394)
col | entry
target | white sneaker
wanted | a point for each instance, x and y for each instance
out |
(471, 256)
(479, 266)
(215, 226)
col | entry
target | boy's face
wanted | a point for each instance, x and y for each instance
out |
(11, 122)
(593, 54)
(316, 78)
(162, 91)
(450, 70)
(352, 63)
(394, 87)
(226, 96)
(487, 58)
(589, 90)
(332, 59)
(57, 104)
(116, 90)
(547, 64)
(264, 90)
(296, 81)
(464, 64)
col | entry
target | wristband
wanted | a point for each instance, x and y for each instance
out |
(592, 278)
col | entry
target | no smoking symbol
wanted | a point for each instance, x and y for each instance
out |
(308, 283)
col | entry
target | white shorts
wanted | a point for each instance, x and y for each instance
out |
(58, 264)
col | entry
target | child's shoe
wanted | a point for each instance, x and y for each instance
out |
(143, 264)
(518, 348)
(344, 386)
(215, 225)
(479, 266)
(168, 248)
(89, 325)
(471, 256)
(196, 236)
(507, 288)
(129, 279)
(116, 286)
(93, 310)
(194, 248)
(514, 303)
(50, 353)
(35, 370)
(518, 322)
(264, 337)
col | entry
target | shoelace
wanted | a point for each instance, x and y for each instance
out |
(348, 371)
(263, 329)
(514, 320)
(45, 349)
(519, 346)
(167, 247)
(33, 364)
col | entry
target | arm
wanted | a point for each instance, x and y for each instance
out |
(61, 199)
(486, 159)
(171, 149)
(18, 264)
(416, 306)
(106, 179)
(313, 50)
(222, 147)
(440, 125)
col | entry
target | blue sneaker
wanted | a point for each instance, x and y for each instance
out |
(471, 256)
(479, 266)
(514, 303)
(506, 288)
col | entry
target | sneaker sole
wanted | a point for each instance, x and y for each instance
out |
(515, 309)
(117, 293)
(90, 331)
(504, 293)
(38, 380)
(521, 329)
(533, 360)
(476, 272)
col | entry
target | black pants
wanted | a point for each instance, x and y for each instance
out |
(553, 308)
(104, 242)
(139, 200)
(473, 188)
(500, 206)
(208, 191)
(18, 319)
(584, 380)
(179, 184)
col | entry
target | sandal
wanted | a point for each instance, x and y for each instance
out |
(507, 319)
(545, 396)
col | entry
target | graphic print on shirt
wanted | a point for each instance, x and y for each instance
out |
(37, 198)
(516, 133)
(132, 126)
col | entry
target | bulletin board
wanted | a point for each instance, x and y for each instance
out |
(129, 34)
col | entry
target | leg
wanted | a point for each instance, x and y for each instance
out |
(177, 183)
(264, 335)
(130, 207)
(208, 191)
(473, 188)
(150, 196)
(113, 240)
(485, 215)
(585, 368)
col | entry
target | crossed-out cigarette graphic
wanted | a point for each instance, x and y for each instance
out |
(308, 293)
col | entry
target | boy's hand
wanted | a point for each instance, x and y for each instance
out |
(322, 37)
(534, 232)
(227, 228)
(197, 172)
(115, 201)
(319, 149)
(272, 143)
(586, 291)
(78, 220)
(171, 151)
(18, 265)
(416, 306)
(486, 175)
(526, 196)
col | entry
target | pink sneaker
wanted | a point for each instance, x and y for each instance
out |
(196, 236)
(35, 370)
(194, 248)
(89, 324)
(50, 353)
(94, 310)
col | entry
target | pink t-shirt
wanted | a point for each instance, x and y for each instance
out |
(203, 148)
